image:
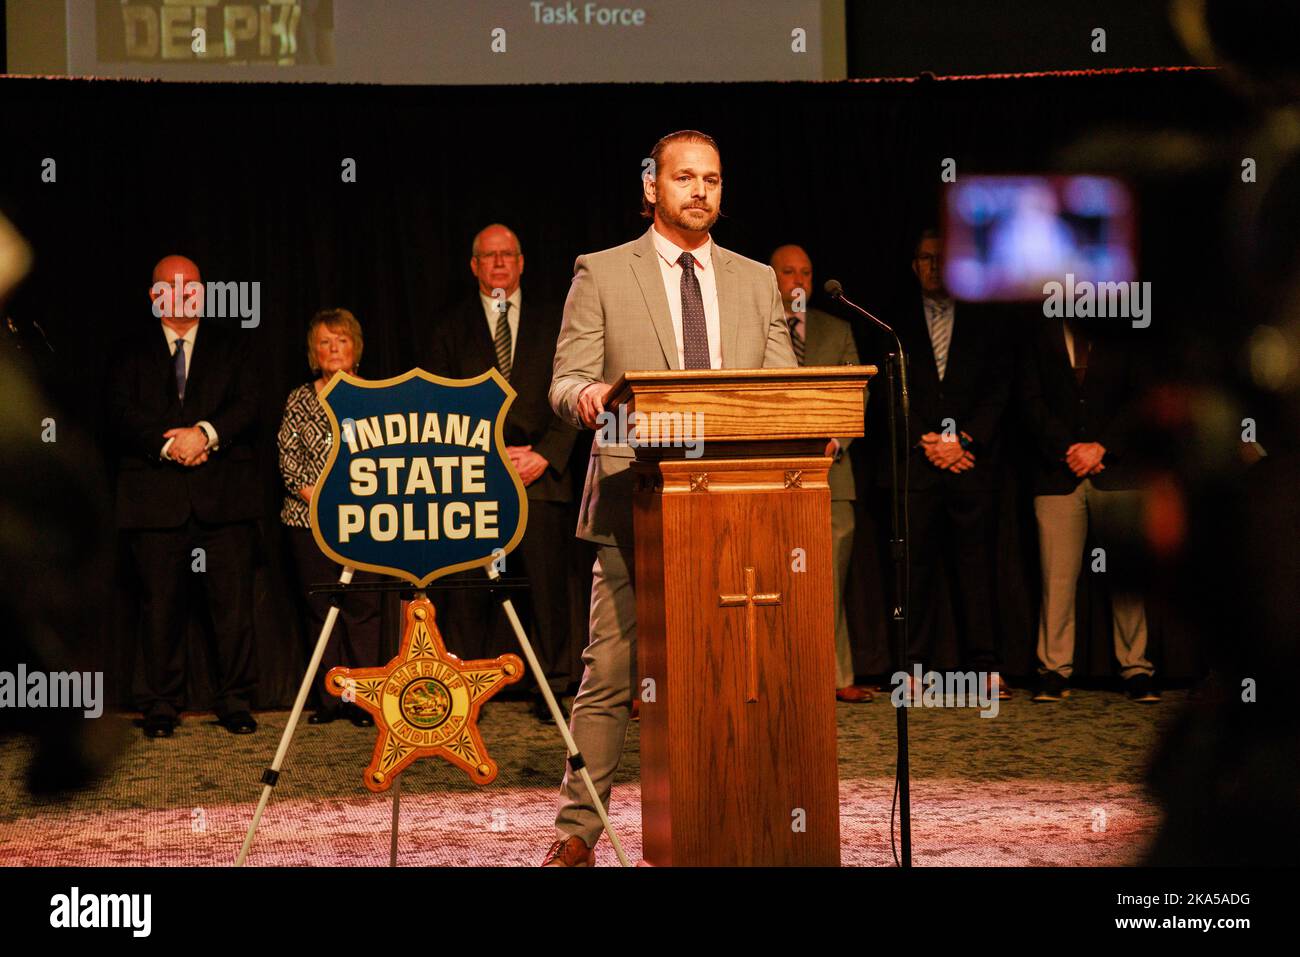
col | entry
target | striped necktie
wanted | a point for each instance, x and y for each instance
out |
(796, 339)
(501, 341)
(939, 318)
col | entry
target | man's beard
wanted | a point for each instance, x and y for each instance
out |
(680, 220)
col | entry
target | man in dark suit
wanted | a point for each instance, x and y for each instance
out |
(492, 328)
(959, 379)
(820, 339)
(1079, 394)
(184, 409)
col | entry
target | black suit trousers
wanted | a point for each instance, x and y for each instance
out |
(474, 625)
(354, 642)
(170, 584)
(952, 529)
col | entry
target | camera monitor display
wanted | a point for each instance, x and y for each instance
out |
(1007, 236)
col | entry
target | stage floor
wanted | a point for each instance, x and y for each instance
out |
(1036, 785)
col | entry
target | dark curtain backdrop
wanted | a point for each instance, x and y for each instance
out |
(245, 179)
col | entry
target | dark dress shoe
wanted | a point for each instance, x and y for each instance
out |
(1139, 688)
(241, 722)
(159, 726)
(1052, 687)
(542, 713)
(362, 718)
(323, 716)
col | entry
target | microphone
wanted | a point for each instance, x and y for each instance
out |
(835, 290)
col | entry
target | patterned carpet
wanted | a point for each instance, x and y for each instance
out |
(1036, 785)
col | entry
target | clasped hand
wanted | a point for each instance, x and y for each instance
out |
(1084, 458)
(189, 445)
(529, 464)
(945, 452)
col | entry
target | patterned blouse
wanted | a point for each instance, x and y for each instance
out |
(304, 442)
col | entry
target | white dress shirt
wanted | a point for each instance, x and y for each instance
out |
(671, 271)
(491, 311)
(189, 337)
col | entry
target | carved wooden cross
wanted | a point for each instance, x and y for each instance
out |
(750, 600)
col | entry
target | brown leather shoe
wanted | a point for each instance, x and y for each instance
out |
(853, 694)
(997, 685)
(570, 852)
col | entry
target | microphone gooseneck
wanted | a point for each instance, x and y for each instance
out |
(901, 558)
(835, 290)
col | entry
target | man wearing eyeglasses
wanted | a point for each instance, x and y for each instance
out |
(959, 379)
(492, 328)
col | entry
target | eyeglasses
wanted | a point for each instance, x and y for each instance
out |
(507, 257)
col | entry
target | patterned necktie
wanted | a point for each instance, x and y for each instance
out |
(178, 366)
(796, 339)
(695, 334)
(940, 321)
(502, 340)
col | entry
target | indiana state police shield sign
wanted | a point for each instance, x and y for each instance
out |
(418, 483)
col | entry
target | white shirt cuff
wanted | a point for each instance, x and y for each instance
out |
(206, 426)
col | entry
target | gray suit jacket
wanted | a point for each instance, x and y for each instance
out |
(616, 319)
(828, 341)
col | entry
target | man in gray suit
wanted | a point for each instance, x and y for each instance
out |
(671, 299)
(821, 339)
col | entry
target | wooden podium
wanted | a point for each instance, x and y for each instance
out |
(734, 611)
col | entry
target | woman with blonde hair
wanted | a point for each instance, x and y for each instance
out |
(334, 345)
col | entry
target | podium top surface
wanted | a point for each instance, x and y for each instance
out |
(659, 380)
(744, 406)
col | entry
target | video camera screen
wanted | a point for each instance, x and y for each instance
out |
(1009, 235)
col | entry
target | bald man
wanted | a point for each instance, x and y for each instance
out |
(821, 339)
(183, 404)
(494, 327)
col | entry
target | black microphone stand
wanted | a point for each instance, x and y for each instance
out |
(896, 379)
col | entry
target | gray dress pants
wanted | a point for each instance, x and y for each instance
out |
(1062, 530)
(603, 706)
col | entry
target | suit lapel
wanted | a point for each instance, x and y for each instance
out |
(200, 360)
(645, 267)
(922, 351)
(814, 339)
(728, 302)
(484, 343)
(162, 359)
(1060, 354)
(959, 343)
(526, 343)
